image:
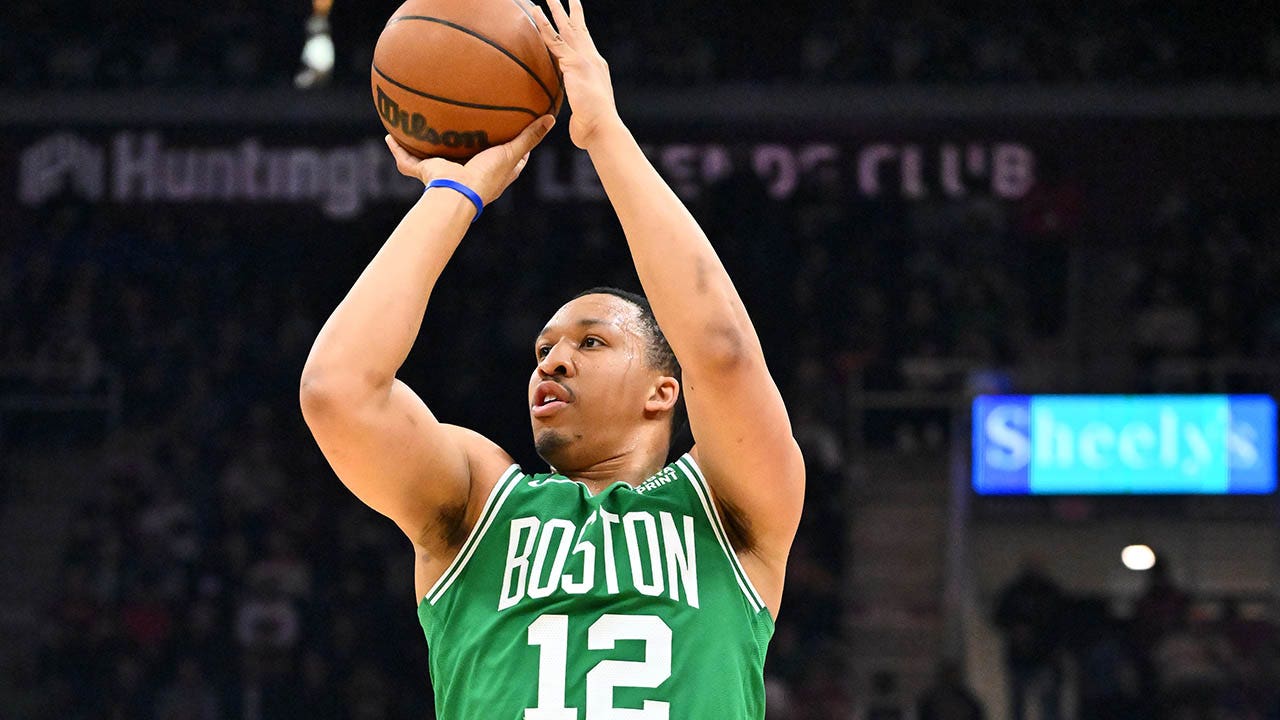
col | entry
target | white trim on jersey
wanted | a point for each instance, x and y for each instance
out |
(506, 483)
(699, 483)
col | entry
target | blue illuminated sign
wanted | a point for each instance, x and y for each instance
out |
(1122, 444)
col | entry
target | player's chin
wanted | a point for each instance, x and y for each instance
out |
(549, 443)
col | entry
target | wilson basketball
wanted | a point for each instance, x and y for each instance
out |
(453, 77)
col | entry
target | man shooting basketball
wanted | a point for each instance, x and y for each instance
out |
(614, 586)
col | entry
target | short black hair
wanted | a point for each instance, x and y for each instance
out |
(658, 356)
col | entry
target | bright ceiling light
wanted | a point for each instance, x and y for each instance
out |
(1138, 557)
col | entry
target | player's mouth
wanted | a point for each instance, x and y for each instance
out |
(550, 398)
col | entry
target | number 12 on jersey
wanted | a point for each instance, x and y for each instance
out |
(550, 634)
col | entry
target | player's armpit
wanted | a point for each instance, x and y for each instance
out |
(746, 450)
(393, 454)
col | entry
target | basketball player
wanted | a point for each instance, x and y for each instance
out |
(614, 586)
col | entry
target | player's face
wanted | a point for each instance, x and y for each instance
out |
(588, 392)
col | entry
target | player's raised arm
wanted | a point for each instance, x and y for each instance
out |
(378, 435)
(740, 426)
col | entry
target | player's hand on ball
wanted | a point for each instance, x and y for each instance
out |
(488, 173)
(586, 74)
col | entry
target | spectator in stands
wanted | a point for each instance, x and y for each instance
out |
(1253, 643)
(253, 479)
(1161, 607)
(1193, 662)
(166, 523)
(1029, 611)
(283, 567)
(268, 625)
(1107, 672)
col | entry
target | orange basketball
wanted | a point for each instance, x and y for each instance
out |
(453, 77)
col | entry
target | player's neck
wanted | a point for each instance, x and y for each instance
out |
(632, 467)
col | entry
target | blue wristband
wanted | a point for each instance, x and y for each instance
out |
(455, 185)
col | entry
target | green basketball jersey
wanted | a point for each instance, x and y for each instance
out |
(625, 605)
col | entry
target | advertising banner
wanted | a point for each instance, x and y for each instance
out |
(1124, 444)
(342, 177)
(1108, 172)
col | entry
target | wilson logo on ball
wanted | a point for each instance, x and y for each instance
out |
(415, 126)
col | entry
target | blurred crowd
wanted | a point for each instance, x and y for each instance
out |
(251, 43)
(1171, 656)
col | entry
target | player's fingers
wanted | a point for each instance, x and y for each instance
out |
(405, 163)
(577, 20)
(554, 42)
(393, 146)
(561, 18)
(529, 138)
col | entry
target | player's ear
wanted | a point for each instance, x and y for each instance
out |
(662, 394)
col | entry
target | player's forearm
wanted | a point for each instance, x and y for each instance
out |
(367, 338)
(692, 296)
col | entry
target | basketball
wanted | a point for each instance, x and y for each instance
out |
(453, 77)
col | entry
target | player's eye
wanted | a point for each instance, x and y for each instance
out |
(542, 351)
(592, 341)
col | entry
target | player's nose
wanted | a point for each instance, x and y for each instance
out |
(558, 362)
